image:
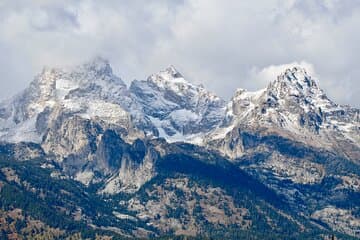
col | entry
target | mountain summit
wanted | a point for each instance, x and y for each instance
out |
(293, 106)
(178, 109)
(169, 74)
(295, 86)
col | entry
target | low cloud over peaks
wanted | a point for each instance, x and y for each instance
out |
(221, 45)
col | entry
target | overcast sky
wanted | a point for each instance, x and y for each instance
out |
(222, 44)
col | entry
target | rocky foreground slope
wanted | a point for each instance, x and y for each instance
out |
(168, 157)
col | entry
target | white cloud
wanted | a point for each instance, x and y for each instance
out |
(224, 45)
(265, 75)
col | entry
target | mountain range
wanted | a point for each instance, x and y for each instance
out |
(91, 157)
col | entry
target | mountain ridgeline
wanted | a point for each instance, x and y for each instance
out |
(82, 155)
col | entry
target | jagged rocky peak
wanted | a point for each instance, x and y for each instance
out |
(296, 95)
(297, 83)
(294, 106)
(57, 84)
(299, 76)
(171, 79)
(293, 91)
(90, 90)
(95, 70)
(92, 80)
(175, 106)
(292, 83)
(170, 73)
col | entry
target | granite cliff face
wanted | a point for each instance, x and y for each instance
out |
(171, 157)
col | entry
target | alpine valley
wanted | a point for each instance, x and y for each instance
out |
(83, 156)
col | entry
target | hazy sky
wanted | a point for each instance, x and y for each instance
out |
(222, 44)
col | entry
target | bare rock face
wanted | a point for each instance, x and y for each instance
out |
(345, 221)
(73, 141)
(133, 173)
(87, 149)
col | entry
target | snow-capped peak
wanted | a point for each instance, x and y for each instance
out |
(89, 90)
(171, 70)
(293, 87)
(169, 77)
(97, 69)
(292, 105)
(58, 82)
(295, 82)
(176, 107)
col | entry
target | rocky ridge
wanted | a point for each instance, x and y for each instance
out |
(289, 136)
